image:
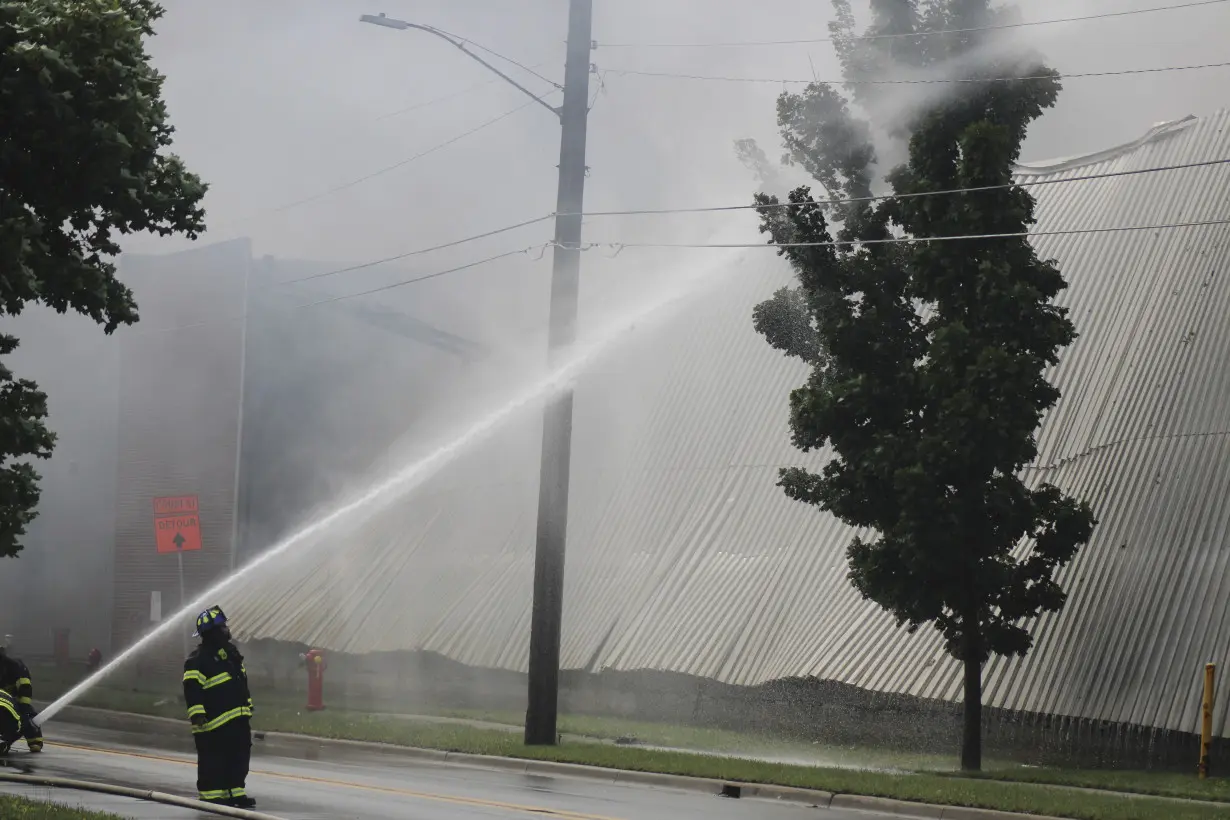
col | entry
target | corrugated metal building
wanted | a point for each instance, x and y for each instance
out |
(685, 556)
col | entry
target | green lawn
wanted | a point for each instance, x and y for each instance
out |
(1165, 784)
(1005, 786)
(701, 739)
(16, 808)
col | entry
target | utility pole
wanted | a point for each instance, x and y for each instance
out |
(541, 716)
(542, 712)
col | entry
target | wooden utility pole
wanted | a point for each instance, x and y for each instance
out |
(542, 712)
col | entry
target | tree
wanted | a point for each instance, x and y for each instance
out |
(927, 359)
(83, 134)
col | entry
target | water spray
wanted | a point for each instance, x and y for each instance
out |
(410, 477)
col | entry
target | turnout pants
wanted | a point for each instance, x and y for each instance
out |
(222, 758)
(29, 730)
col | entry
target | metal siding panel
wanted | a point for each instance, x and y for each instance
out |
(665, 573)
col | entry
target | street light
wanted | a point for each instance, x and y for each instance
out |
(543, 702)
(459, 43)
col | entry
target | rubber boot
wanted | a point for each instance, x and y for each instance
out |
(35, 745)
(242, 802)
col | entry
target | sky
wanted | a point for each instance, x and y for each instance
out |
(276, 101)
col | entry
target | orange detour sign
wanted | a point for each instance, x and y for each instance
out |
(177, 527)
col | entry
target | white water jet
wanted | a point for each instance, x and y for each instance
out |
(396, 486)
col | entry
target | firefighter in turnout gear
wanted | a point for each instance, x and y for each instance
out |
(15, 679)
(10, 721)
(220, 708)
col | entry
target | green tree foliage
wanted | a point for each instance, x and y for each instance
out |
(83, 139)
(928, 358)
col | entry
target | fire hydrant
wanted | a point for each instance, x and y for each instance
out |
(315, 661)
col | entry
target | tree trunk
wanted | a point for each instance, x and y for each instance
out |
(971, 737)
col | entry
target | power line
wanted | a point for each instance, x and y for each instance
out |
(1000, 26)
(511, 61)
(330, 300)
(434, 100)
(401, 164)
(902, 240)
(789, 81)
(746, 207)
(1029, 183)
(619, 246)
(425, 277)
(418, 252)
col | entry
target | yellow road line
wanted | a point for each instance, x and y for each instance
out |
(439, 798)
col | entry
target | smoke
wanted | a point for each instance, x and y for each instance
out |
(285, 105)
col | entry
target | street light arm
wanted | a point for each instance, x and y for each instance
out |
(460, 44)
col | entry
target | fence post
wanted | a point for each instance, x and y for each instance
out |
(1206, 721)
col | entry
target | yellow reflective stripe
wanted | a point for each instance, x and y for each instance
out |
(216, 680)
(8, 707)
(196, 710)
(27, 701)
(192, 674)
(217, 794)
(224, 718)
(238, 793)
(24, 682)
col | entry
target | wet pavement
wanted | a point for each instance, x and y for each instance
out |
(358, 784)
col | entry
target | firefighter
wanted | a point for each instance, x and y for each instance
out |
(10, 721)
(15, 678)
(220, 709)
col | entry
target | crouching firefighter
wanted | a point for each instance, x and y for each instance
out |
(220, 709)
(15, 679)
(10, 721)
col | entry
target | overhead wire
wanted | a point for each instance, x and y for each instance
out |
(402, 163)
(1027, 183)
(461, 92)
(970, 30)
(620, 246)
(425, 277)
(511, 61)
(418, 252)
(627, 72)
(329, 300)
(903, 240)
(748, 207)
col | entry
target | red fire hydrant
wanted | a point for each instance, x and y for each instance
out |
(315, 661)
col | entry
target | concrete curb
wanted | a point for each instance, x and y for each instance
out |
(136, 794)
(309, 744)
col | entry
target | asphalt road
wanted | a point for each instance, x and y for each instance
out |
(357, 784)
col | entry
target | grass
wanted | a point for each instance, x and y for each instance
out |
(18, 808)
(1004, 787)
(1161, 784)
(703, 739)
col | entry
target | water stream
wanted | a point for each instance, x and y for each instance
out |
(401, 482)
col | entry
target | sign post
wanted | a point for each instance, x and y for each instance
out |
(177, 529)
(179, 556)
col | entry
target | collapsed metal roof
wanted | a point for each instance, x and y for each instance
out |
(684, 555)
